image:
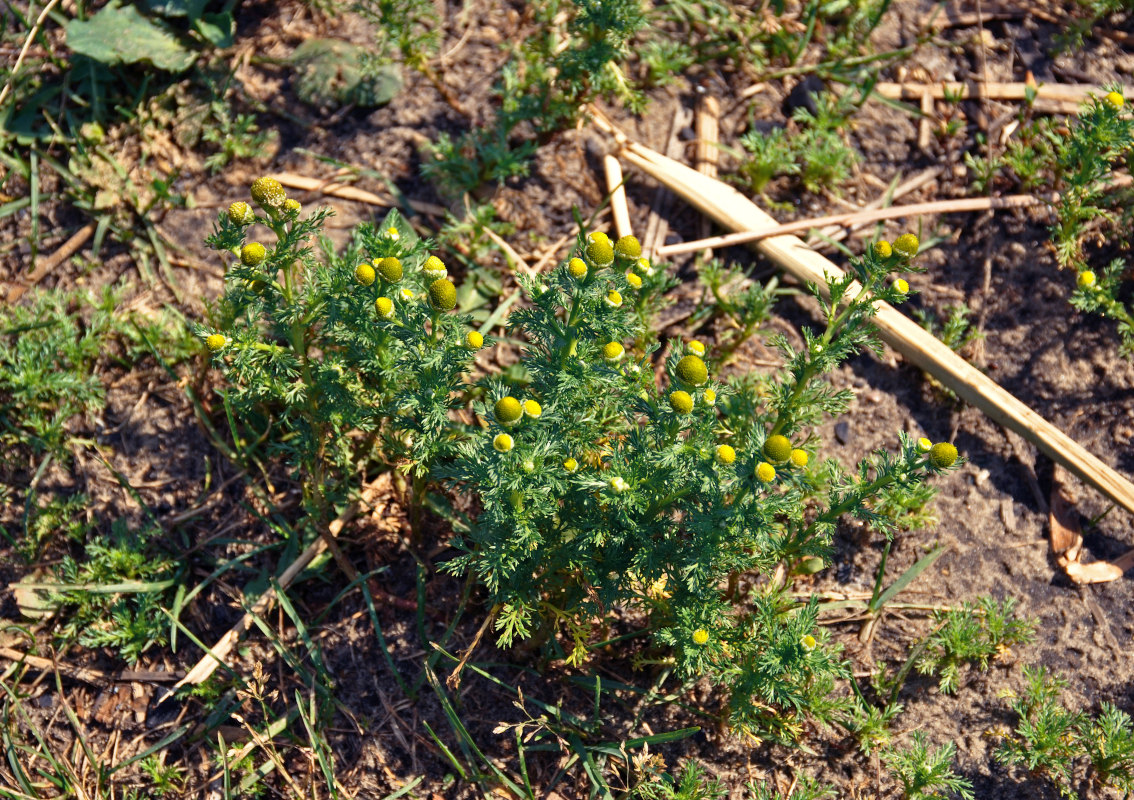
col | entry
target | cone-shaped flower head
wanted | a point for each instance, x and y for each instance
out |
(443, 295)
(628, 247)
(268, 193)
(577, 268)
(613, 351)
(390, 269)
(681, 402)
(508, 410)
(906, 245)
(364, 274)
(943, 455)
(240, 213)
(253, 254)
(384, 306)
(599, 250)
(691, 370)
(777, 448)
(434, 269)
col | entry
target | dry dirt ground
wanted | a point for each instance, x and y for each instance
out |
(993, 512)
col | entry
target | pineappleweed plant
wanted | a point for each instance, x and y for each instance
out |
(601, 486)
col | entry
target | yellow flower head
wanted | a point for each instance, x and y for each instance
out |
(390, 269)
(292, 207)
(681, 402)
(385, 307)
(882, 249)
(710, 397)
(618, 485)
(408, 295)
(808, 643)
(577, 268)
(434, 269)
(1086, 279)
(268, 192)
(443, 295)
(508, 410)
(364, 274)
(696, 347)
(613, 299)
(777, 448)
(627, 247)
(799, 458)
(765, 472)
(253, 254)
(901, 287)
(924, 445)
(599, 250)
(502, 443)
(643, 267)
(571, 465)
(633, 279)
(943, 455)
(533, 409)
(474, 340)
(692, 371)
(216, 342)
(613, 351)
(240, 213)
(392, 234)
(906, 245)
(726, 455)
(1115, 99)
(700, 637)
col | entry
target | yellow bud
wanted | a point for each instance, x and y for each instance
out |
(434, 268)
(901, 287)
(613, 351)
(777, 448)
(443, 295)
(1086, 279)
(1115, 99)
(613, 299)
(765, 472)
(508, 410)
(691, 370)
(906, 245)
(882, 249)
(474, 340)
(924, 445)
(390, 269)
(943, 455)
(385, 307)
(571, 465)
(253, 254)
(533, 409)
(808, 642)
(577, 268)
(700, 637)
(633, 279)
(268, 192)
(502, 443)
(710, 397)
(726, 455)
(681, 402)
(628, 247)
(364, 274)
(799, 458)
(696, 348)
(216, 342)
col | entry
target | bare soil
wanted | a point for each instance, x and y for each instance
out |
(993, 512)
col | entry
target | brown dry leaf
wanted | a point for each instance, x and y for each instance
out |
(1067, 542)
(1095, 572)
(1064, 532)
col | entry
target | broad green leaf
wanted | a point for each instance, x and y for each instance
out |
(121, 35)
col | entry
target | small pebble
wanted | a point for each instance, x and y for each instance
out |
(842, 432)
